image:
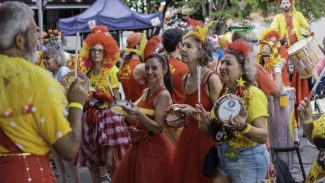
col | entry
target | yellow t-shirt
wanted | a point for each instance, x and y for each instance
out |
(24, 84)
(256, 106)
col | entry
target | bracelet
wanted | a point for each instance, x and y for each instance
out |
(76, 105)
(247, 129)
(308, 121)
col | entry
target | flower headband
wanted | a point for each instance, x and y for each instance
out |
(243, 26)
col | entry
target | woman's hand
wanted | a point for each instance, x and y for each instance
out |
(304, 109)
(200, 113)
(132, 111)
(238, 122)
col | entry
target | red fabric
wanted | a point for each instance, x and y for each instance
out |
(292, 37)
(104, 142)
(285, 72)
(192, 146)
(132, 89)
(302, 89)
(147, 161)
(14, 169)
(178, 69)
(264, 82)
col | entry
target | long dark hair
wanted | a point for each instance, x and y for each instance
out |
(168, 80)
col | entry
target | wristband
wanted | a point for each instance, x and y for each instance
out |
(76, 105)
(277, 69)
(247, 129)
(308, 121)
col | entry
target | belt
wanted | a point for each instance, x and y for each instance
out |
(14, 154)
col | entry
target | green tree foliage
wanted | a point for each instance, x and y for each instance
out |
(240, 9)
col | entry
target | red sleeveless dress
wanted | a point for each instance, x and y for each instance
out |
(192, 145)
(148, 160)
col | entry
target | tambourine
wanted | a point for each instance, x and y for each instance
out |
(175, 117)
(116, 106)
(226, 106)
(67, 80)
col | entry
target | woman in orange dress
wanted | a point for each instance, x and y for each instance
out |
(149, 158)
(193, 145)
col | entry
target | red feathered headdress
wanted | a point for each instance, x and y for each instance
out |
(133, 39)
(192, 22)
(100, 35)
(239, 47)
(154, 45)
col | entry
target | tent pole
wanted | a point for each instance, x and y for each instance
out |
(120, 33)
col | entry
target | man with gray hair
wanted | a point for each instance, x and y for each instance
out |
(32, 104)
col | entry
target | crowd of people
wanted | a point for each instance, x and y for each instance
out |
(130, 139)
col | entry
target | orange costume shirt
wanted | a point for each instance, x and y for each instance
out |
(264, 82)
(132, 89)
(178, 69)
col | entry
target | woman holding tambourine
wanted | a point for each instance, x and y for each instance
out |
(149, 157)
(238, 120)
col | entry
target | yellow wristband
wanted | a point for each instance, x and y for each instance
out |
(308, 121)
(76, 105)
(247, 129)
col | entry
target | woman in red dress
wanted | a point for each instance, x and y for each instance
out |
(193, 145)
(149, 158)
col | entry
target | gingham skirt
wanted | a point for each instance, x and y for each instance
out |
(104, 142)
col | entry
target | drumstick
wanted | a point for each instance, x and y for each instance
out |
(198, 72)
(76, 56)
(313, 90)
(110, 87)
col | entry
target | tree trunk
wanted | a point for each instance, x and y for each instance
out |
(204, 9)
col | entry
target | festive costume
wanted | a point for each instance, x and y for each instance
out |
(31, 116)
(192, 145)
(317, 171)
(289, 26)
(105, 137)
(131, 87)
(149, 158)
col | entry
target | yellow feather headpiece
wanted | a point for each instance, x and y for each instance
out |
(200, 32)
(142, 46)
(275, 56)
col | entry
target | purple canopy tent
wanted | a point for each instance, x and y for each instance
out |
(111, 13)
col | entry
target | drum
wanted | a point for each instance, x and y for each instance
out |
(226, 106)
(175, 117)
(116, 106)
(304, 55)
(282, 123)
(67, 79)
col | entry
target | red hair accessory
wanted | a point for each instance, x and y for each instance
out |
(193, 23)
(239, 47)
(133, 39)
(267, 34)
(154, 45)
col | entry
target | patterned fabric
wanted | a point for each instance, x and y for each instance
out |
(108, 136)
(32, 106)
(317, 170)
(256, 107)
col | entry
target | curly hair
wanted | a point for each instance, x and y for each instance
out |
(171, 38)
(205, 49)
(241, 51)
(110, 45)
